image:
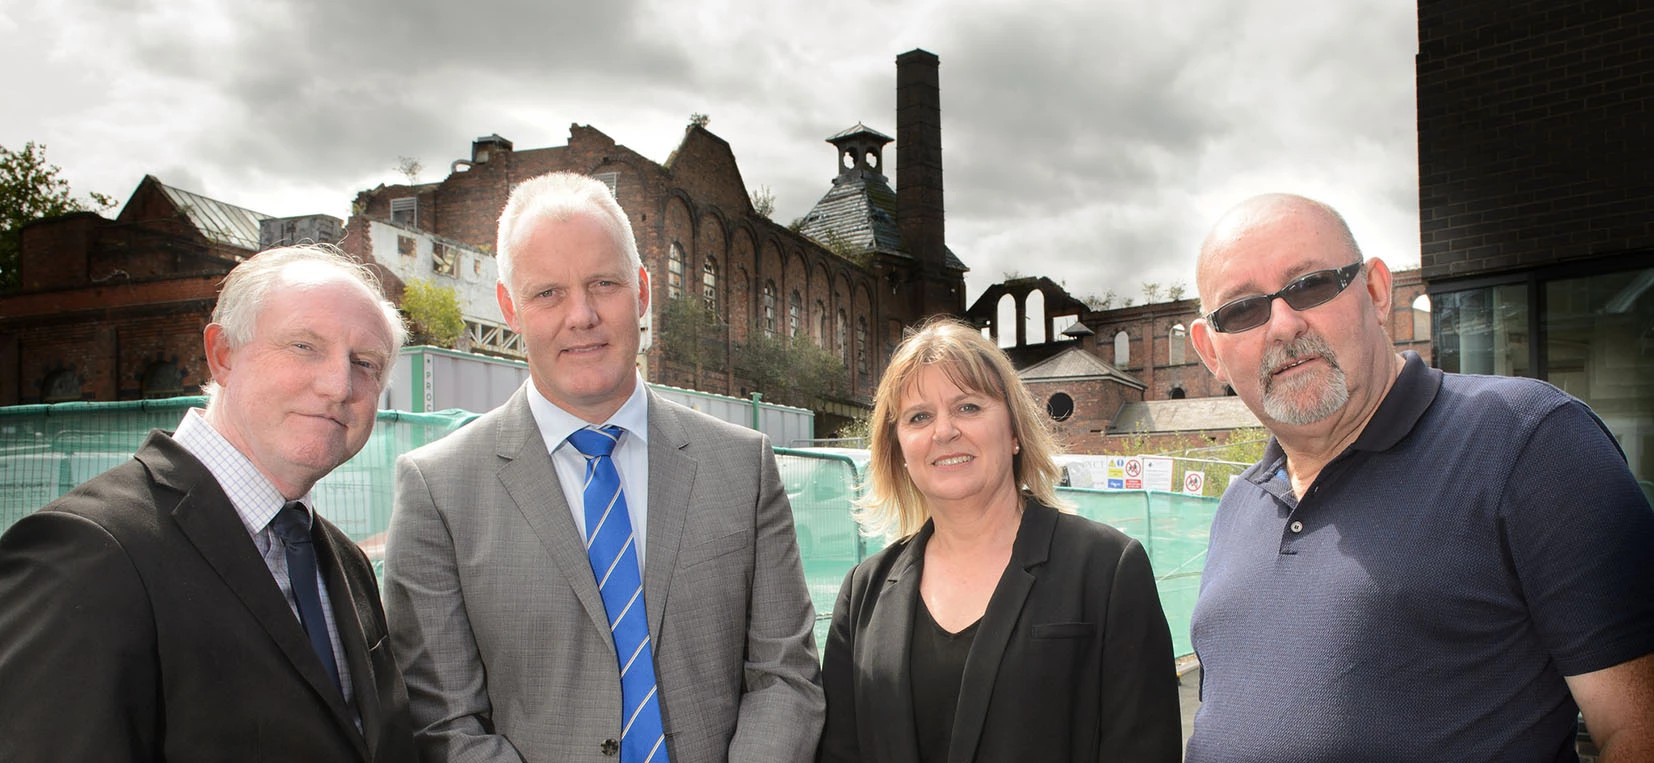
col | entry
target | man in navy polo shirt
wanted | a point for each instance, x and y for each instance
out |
(1423, 566)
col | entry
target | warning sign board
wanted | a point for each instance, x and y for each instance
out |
(1115, 473)
(1134, 473)
(1157, 473)
(1194, 483)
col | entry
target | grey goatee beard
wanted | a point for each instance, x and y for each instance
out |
(1303, 399)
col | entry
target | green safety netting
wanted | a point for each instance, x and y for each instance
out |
(45, 450)
(1171, 526)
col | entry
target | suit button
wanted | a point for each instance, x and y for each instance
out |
(611, 747)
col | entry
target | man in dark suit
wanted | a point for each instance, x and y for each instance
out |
(590, 571)
(189, 604)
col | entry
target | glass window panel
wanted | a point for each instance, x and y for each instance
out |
(1599, 347)
(1482, 331)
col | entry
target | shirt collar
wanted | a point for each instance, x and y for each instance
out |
(255, 499)
(1411, 395)
(556, 424)
(1415, 389)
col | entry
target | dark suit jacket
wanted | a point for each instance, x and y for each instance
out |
(138, 623)
(1072, 660)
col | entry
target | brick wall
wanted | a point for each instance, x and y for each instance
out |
(697, 200)
(1535, 138)
(106, 304)
(1095, 402)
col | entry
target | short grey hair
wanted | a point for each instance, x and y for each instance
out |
(249, 286)
(561, 196)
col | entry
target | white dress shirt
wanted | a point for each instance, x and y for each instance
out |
(631, 457)
(256, 502)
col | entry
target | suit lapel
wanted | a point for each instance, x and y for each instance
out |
(205, 516)
(353, 638)
(531, 480)
(1029, 551)
(671, 482)
(886, 643)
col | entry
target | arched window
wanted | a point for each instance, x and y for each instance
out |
(821, 324)
(162, 379)
(1421, 318)
(841, 329)
(1122, 349)
(1178, 393)
(861, 346)
(769, 308)
(60, 386)
(709, 284)
(1174, 349)
(795, 314)
(674, 272)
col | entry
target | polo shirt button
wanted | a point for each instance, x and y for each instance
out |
(611, 747)
(1297, 526)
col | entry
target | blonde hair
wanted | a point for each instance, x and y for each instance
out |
(893, 507)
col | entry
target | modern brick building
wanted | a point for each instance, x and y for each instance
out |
(866, 262)
(1536, 198)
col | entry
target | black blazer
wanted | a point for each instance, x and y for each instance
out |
(1072, 660)
(138, 623)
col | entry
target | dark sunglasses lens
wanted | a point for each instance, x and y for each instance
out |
(1312, 290)
(1242, 314)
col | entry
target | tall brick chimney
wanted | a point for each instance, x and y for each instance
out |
(919, 157)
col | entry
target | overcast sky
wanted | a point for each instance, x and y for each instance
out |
(1091, 141)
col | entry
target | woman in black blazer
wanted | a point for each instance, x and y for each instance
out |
(998, 628)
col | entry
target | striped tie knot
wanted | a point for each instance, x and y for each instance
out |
(593, 442)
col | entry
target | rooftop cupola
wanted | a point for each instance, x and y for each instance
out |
(860, 153)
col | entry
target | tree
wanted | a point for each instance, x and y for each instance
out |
(699, 120)
(1151, 292)
(791, 371)
(434, 311)
(690, 333)
(1175, 291)
(30, 189)
(763, 201)
(410, 167)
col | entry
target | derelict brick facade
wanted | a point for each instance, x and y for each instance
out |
(696, 201)
(111, 309)
(1536, 144)
(1095, 401)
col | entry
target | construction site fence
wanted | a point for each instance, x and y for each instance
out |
(46, 450)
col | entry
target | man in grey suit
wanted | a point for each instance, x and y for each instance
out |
(516, 563)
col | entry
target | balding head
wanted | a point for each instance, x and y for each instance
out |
(1255, 224)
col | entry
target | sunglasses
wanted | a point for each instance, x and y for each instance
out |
(1309, 290)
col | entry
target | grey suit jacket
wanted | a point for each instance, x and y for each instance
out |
(497, 622)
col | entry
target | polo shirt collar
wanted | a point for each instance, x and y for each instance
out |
(1411, 395)
(1415, 389)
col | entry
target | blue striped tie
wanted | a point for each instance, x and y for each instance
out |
(613, 553)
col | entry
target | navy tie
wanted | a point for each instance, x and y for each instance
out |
(292, 526)
(613, 553)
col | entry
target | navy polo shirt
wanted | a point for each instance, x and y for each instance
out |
(1481, 539)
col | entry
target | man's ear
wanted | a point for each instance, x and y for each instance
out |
(216, 341)
(642, 291)
(1379, 283)
(1200, 335)
(507, 307)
